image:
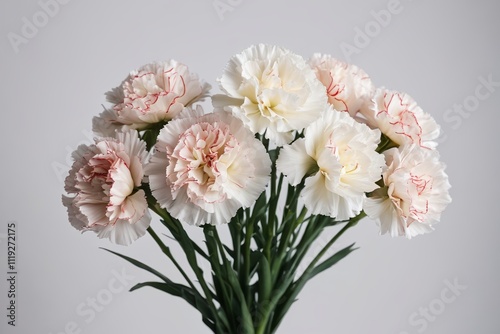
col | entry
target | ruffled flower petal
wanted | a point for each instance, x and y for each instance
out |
(348, 87)
(339, 160)
(206, 167)
(272, 91)
(154, 93)
(399, 117)
(102, 188)
(295, 162)
(124, 233)
(415, 192)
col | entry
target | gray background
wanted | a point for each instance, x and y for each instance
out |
(437, 51)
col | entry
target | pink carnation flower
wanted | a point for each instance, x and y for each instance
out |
(415, 192)
(399, 117)
(206, 167)
(154, 93)
(103, 189)
(348, 87)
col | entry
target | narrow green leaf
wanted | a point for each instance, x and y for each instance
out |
(246, 317)
(331, 261)
(172, 227)
(170, 288)
(182, 291)
(224, 294)
(265, 280)
(260, 207)
(210, 324)
(140, 265)
(229, 251)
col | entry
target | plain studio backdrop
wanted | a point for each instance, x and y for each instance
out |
(60, 57)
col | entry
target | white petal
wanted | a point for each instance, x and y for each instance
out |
(349, 207)
(294, 162)
(76, 218)
(123, 184)
(317, 198)
(417, 228)
(383, 211)
(220, 101)
(122, 232)
(280, 92)
(134, 207)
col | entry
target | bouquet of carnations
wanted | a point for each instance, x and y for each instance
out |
(290, 149)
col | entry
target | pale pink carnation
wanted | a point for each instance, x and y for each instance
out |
(154, 93)
(415, 192)
(206, 167)
(348, 87)
(399, 117)
(103, 187)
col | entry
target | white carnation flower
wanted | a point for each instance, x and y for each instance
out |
(348, 87)
(152, 94)
(399, 117)
(206, 167)
(339, 160)
(415, 192)
(272, 90)
(103, 186)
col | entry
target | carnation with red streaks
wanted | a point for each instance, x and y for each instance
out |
(399, 117)
(348, 87)
(206, 167)
(415, 192)
(103, 187)
(152, 94)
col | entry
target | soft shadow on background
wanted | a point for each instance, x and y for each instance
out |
(58, 60)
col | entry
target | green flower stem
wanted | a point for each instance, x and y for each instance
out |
(291, 224)
(289, 289)
(284, 246)
(181, 237)
(237, 245)
(167, 219)
(264, 324)
(219, 244)
(224, 296)
(229, 277)
(194, 265)
(313, 229)
(292, 198)
(352, 222)
(274, 196)
(297, 286)
(176, 228)
(168, 253)
(245, 277)
(199, 275)
(297, 233)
